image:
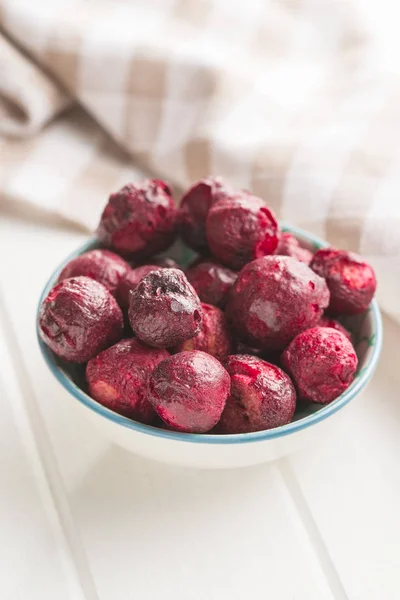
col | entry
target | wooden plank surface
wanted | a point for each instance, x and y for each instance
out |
(320, 524)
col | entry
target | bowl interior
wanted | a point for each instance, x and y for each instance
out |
(366, 330)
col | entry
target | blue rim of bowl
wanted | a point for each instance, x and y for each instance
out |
(237, 438)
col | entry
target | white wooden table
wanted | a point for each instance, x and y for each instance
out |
(81, 519)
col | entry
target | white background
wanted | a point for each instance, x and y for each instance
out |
(81, 519)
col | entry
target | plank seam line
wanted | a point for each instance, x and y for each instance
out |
(50, 483)
(312, 531)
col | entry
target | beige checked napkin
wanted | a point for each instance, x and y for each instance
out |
(297, 100)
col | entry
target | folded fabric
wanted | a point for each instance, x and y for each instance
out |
(28, 97)
(297, 101)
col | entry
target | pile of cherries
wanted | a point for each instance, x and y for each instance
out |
(227, 346)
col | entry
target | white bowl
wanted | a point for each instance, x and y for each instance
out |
(225, 451)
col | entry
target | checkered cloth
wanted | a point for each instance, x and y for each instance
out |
(297, 100)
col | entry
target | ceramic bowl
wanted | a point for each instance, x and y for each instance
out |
(311, 424)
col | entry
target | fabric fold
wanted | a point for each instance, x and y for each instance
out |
(28, 97)
(297, 101)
